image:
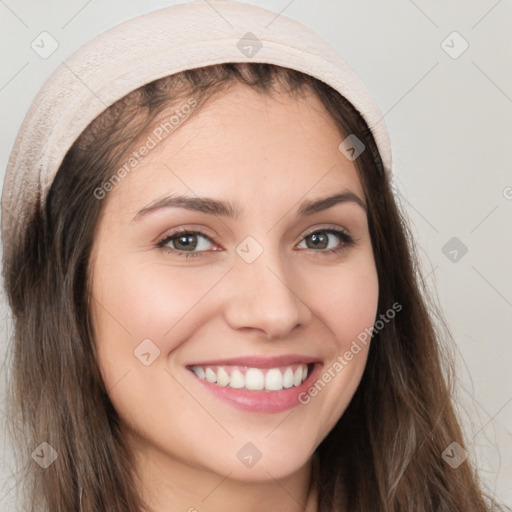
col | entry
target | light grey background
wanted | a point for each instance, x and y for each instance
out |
(450, 122)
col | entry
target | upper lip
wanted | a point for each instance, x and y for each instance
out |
(255, 361)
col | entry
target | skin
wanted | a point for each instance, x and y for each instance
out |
(267, 155)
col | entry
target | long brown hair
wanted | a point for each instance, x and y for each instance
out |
(385, 452)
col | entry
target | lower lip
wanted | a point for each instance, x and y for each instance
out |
(261, 401)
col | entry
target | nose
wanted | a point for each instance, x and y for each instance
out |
(262, 298)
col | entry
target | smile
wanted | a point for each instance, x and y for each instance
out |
(257, 384)
(254, 379)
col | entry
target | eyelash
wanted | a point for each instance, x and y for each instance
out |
(346, 241)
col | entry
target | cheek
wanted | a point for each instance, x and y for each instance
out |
(354, 307)
(345, 302)
(344, 299)
(142, 309)
(133, 302)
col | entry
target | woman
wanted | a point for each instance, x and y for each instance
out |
(216, 299)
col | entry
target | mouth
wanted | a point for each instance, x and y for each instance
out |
(257, 384)
(254, 379)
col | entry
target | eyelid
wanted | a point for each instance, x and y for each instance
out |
(200, 230)
(323, 227)
(175, 234)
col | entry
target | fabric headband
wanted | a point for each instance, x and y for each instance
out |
(148, 47)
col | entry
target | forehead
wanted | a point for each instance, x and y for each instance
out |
(242, 142)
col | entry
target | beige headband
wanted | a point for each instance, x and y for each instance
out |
(149, 47)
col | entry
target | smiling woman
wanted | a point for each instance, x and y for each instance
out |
(236, 321)
(244, 322)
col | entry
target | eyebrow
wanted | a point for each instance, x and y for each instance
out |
(215, 207)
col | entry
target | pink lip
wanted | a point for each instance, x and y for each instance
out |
(259, 401)
(259, 361)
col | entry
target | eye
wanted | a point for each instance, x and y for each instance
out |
(327, 240)
(191, 242)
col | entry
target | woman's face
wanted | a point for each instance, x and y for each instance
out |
(271, 277)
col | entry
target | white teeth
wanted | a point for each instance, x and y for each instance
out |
(297, 376)
(211, 376)
(288, 378)
(199, 372)
(237, 379)
(222, 377)
(254, 379)
(274, 380)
